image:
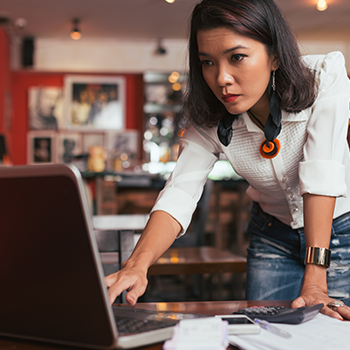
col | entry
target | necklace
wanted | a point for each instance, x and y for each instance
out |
(256, 119)
(268, 148)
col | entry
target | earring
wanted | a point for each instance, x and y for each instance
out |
(271, 146)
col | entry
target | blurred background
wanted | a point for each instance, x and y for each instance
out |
(98, 83)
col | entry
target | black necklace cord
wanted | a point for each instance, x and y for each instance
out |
(271, 145)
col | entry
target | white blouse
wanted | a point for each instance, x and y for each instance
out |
(314, 156)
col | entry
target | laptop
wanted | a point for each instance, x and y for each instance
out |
(52, 280)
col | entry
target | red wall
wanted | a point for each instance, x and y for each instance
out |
(22, 80)
(5, 85)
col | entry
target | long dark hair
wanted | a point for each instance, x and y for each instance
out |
(260, 20)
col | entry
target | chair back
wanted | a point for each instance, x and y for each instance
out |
(195, 236)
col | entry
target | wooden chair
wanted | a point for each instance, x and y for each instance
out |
(115, 236)
(116, 239)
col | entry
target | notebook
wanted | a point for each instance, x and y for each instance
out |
(52, 281)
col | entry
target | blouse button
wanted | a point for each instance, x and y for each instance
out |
(295, 210)
(292, 197)
(284, 179)
(288, 189)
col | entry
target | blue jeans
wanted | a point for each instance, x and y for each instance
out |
(276, 253)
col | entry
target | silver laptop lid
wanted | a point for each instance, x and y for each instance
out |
(52, 286)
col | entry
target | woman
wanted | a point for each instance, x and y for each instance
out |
(281, 121)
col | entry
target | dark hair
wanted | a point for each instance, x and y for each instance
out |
(260, 20)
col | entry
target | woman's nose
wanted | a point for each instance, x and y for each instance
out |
(224, 77)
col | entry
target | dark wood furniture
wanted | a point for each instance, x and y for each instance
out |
(197, 260)
(206, 308)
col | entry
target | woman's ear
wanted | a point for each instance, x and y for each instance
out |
(275, 63)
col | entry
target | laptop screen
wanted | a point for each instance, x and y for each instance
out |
(50, 280)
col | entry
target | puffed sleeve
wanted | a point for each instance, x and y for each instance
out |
(197, 156)
(323, 171)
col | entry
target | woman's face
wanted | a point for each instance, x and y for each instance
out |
(237, 69)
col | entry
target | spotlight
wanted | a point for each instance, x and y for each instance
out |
(322, 5)
(160, 49)
(170, 1)
(75, 34)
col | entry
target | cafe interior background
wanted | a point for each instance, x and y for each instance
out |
(98, 83)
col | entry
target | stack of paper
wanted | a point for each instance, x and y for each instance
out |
(321, 333)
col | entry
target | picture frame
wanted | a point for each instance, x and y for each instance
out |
(95, 102)
(45, 108)
(122, 149)
(93, 139)
(41, 147)
(69, 146)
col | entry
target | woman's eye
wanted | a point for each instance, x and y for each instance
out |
(237, 57)
(206, 63)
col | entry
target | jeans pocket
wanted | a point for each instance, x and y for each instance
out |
(258, 220)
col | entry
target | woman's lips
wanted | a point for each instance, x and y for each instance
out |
(229, 98)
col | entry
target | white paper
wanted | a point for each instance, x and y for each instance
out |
(321, 333)
(202, 334)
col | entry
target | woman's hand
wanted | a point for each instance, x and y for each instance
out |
(157, 237)
(131, 278)
(315, 295)
(318, 218)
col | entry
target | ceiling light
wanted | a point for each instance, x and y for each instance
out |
(321, 5)
(75, 34)
(160, 50)
(170, 1)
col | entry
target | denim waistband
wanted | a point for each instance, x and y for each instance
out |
(256, 210)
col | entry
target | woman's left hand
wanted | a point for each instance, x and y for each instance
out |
(313, 295)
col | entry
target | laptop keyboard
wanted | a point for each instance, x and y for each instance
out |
(126, 325)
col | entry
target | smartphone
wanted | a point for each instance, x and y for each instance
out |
(240, 324)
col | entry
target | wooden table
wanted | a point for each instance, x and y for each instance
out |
(205, 308)
(197, 260)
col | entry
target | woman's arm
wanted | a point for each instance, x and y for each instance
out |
(171, 214)
(318, 218)
(158, 235)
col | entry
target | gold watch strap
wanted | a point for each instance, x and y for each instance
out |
(318, 256)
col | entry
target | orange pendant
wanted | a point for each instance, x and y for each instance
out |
(270, 149)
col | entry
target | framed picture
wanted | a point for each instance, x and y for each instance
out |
(41, 147)
(45, 108)
(95, 102)
(123, 149)
(93, 139)
(69, 146)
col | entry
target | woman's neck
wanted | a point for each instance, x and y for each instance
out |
(260, 111)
